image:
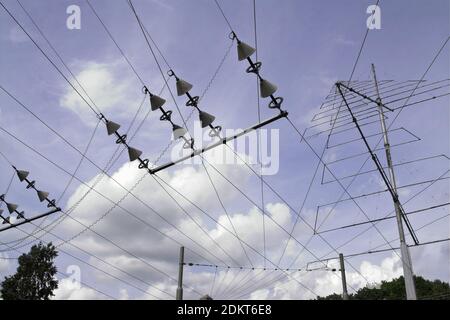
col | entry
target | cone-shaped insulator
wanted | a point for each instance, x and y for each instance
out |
(156, 102)
(11, 207)
(112, 127)
(6, 220)
(267, 88)
(206, 119)
(22, 174)
(178, 131)
(42, 195)
(183, 87)
(244, 50)
(133, 153)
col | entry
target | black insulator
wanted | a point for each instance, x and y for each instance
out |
(121, 139)
(254, 68)
(31, 184)
(51, 203)
(143, 164)
(188, 143)
(166, 116)
(192, 102)
(215, 131)
(276, 103)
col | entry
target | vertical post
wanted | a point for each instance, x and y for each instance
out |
(344, 281)
(406, 258)
(180, 275)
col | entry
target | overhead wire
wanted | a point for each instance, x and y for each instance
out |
(79, 259)
(394, 119)
(107, 198)
(66, 241)
(204, 92)
(258, 136)
(147, 36)
(218, 5)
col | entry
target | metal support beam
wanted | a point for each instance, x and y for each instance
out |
(365, 96)
(380, 169)
(406, 258)
(282, 114)
(30, 220)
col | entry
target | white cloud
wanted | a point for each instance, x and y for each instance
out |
(108, 86)
(4, 263)
(67, 291)
(389, 268)
(145, 243)
(16, 35)
(123, 294)
(324, 283)
(162, 253)
(341, 40)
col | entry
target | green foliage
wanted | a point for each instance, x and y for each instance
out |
(395, 290)
(34, 278)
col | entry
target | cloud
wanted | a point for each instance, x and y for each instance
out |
(123, 294)
(389, 268)
(150, 246)
(324, 283)
(341, 40)
(150, 249)
(4, 262)
(68, 291)
(16, 35)
(107, 84)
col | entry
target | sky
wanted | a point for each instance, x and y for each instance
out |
(130, 250)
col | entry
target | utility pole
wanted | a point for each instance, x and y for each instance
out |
(344, 281)
(180, 275)
(405, 256)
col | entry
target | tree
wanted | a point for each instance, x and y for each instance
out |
(395, 290)
(35, 275)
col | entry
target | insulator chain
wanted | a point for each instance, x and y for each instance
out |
(193, 102)
(255, 68)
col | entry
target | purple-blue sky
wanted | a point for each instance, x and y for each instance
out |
(305, 46)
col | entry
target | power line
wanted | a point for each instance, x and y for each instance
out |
(397, 248)
(218, 222)
(115, 42)
(97, 112)
(193, 264)
(320, 160)
(103, 170)
(76, 258)
(223, 15)
(110, 200)
(385, 218)
(66, 241)
(226, 213)
(392, 122)
(256, 205)
(255, 68)
(146, 33)
(76, 149)
(258, 137)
